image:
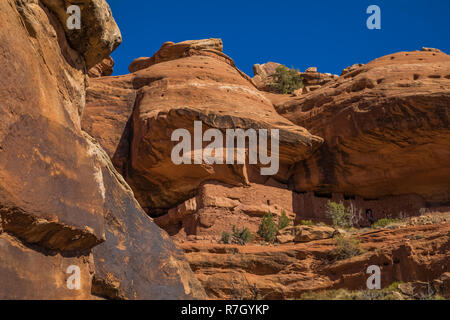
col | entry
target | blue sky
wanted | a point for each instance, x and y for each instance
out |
(330, 35)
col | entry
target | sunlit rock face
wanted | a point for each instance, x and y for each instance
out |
(386, 129)
(183, 83)
(62, 203)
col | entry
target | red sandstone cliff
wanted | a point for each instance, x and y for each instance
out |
(85, 164)
(62, 203)
(380, 142)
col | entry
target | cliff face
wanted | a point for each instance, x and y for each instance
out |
(376, 138)
(62, 203)
(82, 155)
(386, 129)
(408, 254)
(180, 84)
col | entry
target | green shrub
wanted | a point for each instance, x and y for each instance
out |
(286, 81)
(226, 237)
(268, 229)
(283, 221)
(346, 248)
(243, 236)
(384, 222)
(340, 215)
(394, 286)
(307, 223)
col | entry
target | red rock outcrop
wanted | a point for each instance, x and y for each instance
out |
(418, 253)
(98, 35)
(62, 203)
(386, 129)
(312, 80)
(218, 206)
(385, 126)
(110, 102)
(228, 202)
(172, 51)
(102, 69)
(183, 83)
(377, 137)
(262, 74)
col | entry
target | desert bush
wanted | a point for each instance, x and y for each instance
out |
(340, 215)
(226, 237)
(346, 248)
(268, 229)
(243, 236)
(382, 223)
(306, 223)
(283, 221)
(394, 286)
(286, 81)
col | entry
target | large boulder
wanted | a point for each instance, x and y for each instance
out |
(62, 203)
(386, 129)
(305, 234)
(181, 84)
(172, 51)
(98, 35)
(262, 74)
(442, 285)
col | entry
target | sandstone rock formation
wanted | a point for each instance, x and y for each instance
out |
(172, 51)
(386, 130)
(240, 195)
(99, 34)
(305, 234)
(262, 74)
(102, 69)
(431, 50)
(74, 180)
(180, 84)
(379, 140)
(351, 68)
(312, 79)
(217, 207)
(286, 272)
(442, 285)
(110, 102)
(62, 203)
